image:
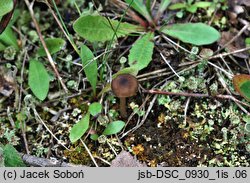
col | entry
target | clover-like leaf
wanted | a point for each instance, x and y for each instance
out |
(241, 84)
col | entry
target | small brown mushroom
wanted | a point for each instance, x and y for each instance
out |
(124, 85)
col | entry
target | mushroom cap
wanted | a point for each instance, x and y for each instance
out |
(124, 85)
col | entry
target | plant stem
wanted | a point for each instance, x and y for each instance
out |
(123, 110)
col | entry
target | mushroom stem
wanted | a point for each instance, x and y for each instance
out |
(123, 109)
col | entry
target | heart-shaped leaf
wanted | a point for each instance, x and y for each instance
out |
(98, 28)
(53, 44)
(38, 79)
(141, 52)
(113, 128)
(6, 6)
(194, 33)
(241, 84)
(79, 128)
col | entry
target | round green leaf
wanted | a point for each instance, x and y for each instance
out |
(113, 128)
(194, 33)
(53, 44)
(5, 6)
(38, 79)
(79, 128)
(95, 108)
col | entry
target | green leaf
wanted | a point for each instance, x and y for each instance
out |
(194, 33)
(94, 137)
(177, 6)
(241, 84)
(2, 47)
(98, 28)
(140, 54)
(164, 4)
(53, 44)
(140, 7)
(6, 6)
(11, 157)
(128, 70)
(247, 41)
(202, 4)
(192, 8)
(79, 128)
(89, 66)
(95, 108)
(113, 128)
(38, 79)
(8, 38)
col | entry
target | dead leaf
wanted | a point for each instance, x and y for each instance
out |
(125, 159)
(6, 82)
(235, 45)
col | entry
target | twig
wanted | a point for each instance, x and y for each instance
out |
(233, 39)
(10, 117)
(30, 7)
(230, 53)
(185, 111)
(43, 162)
(197, 95)
(21, 81)
(61, 27)
(23, 126)
(47, 128)
(169, 65)
(88, 151)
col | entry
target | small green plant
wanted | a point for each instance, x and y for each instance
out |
(81, 127)
(98, 28)
(190, 6)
